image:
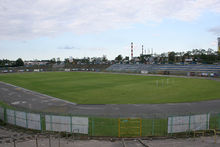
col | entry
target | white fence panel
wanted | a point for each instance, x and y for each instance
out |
(178, 124)
(144, 72)
(80, 125)
(66, 123)
(188, 123)
(200, 122)
(58, 123)
(34, 121)
(11, 116)
(20, 119)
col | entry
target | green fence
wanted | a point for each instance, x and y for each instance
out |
(112, 127)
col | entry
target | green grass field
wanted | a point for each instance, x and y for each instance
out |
(99, 88)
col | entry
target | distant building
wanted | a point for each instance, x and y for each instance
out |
(188, 61)
(26, 63)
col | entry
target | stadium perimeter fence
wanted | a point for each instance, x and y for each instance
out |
(112, 127)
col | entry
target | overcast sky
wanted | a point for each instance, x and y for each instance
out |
(43, 29)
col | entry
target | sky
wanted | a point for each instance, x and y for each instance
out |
(46, 29)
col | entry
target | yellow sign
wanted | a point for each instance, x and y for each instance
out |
(129, 127)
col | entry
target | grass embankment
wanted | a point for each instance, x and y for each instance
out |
(5, 105)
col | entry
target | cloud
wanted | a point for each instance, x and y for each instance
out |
(214, 43)
(215, 30)
(156, 35)
(67, 47)
(27, 19)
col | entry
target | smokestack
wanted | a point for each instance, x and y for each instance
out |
(132, 50)
(219, 44)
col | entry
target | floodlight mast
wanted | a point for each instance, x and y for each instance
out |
(132, 47)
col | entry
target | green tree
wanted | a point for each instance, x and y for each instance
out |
(171, 57)
(119, 58)
(126, 58)
(66, 61)
(19, 62)
(53, 61)
(104, 58)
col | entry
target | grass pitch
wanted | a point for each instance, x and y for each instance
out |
(99, 88)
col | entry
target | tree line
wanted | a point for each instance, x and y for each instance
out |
(9, 63)
(195, 56)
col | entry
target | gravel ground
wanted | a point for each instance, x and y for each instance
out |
(44, 142)
(24, 138)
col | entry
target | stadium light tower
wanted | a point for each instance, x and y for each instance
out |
(219, 44)
(132, 47)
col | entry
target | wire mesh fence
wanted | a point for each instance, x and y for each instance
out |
(112, 127)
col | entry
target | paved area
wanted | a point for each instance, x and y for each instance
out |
(44, 142)
(11, 137)
(26, 99)
(190, 142)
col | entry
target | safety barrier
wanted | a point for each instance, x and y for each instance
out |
(114, 127)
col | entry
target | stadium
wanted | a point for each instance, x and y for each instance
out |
(115, 73)
(116, 100)
(103, 101)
